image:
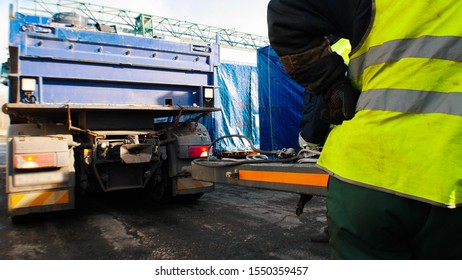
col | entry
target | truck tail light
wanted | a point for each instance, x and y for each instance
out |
(32, 161)
(198, 151)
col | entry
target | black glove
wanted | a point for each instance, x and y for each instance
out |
(312, 128)
(341, 104)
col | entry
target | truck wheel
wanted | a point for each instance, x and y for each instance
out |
(160, 191)
(159, 194)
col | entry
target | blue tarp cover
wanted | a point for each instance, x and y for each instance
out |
(261, 102)
(238, 99)
(281, 103)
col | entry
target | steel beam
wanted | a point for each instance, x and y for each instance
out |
(298, 178)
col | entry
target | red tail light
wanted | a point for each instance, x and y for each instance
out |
(198, 151)
(31, 161)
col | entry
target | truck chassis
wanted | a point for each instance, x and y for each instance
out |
(101, 111)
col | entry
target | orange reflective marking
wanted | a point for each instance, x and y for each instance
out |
(40, 200)
(64, 199)
(15, 199)
(310, 179)
(186, 183)
(180, 185)
(24, 200)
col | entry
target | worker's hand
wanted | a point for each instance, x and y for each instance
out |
(341, 104)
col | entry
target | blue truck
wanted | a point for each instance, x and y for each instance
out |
(96, 110)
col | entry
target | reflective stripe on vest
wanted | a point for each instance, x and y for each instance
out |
(412, 101)
(423, 47)
(406, 136)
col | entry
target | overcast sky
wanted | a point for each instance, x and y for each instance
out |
(243, 15)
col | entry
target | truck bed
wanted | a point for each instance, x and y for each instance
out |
(92, 71)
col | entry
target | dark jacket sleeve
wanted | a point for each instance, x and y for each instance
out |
(298, 31)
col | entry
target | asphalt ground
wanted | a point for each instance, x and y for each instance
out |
(231, 223)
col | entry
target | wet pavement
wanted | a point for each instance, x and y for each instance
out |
(229, 223)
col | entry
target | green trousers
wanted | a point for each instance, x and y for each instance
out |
(370, 224)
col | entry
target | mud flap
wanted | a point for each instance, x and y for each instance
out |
(191, 186)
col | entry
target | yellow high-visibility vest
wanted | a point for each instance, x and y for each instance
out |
(343, 48)
(406, 136)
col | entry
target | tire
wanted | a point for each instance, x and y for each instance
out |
(160, 192)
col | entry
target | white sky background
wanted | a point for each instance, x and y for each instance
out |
(243, 15)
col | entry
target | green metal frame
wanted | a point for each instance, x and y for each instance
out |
(145, 25)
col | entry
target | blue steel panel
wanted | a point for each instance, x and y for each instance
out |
(63, 82)
(82, 45)
(78, 51)
(89, 67)
(117, 73)
(65, 91)
(37, 19)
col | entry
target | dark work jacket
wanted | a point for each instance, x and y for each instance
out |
(301, 26)
(298, 32)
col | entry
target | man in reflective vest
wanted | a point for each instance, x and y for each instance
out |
(396, 159)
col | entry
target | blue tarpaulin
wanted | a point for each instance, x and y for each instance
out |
(261, 102)
(238, 99)
(280, 103)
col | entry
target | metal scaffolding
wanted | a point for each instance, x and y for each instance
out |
(143, 24)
